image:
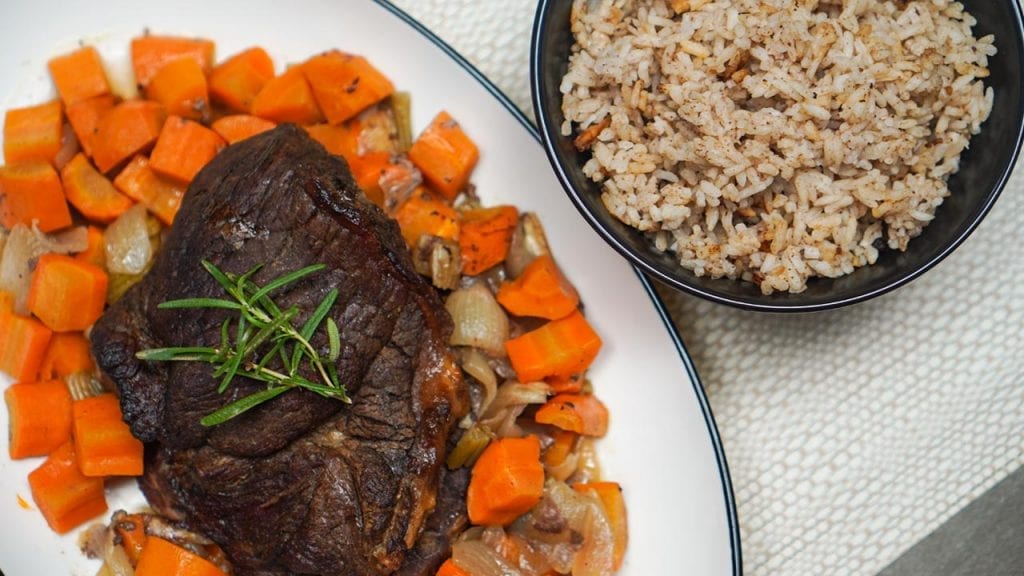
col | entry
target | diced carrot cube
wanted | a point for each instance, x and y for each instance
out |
(128, 129)
(33, 133)
(40, 417)
(423, 214)
(66, 497)
(152, 52)
(287, 98)
(32, 192)
(161, 196)
(560, 348)
(445, 155)
(23, 343)
(183, 148)
(180, 86)
(67, 294)
(238, 127)
(67, 354)
(236, 81)
(345, 84)
(79, 75)
(103, 442)
(84, 117)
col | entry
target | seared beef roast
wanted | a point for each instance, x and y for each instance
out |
(301, 484)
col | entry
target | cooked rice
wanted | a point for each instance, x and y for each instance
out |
(775, 140)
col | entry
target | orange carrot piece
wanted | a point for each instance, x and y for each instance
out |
(445, 155)
(23, 343)
(79, 75)
(95, 252)
(127, 129)
(486, 236)
(580, 413)
(91, 192)
(507, 480)
(31, 192)
(560, 449)
(559, 348)
(33, 133)
(161, 196)
(344, 84)
(566, 385)
(162, 558)
(367, 170)
(150, 53)
(183, 148)
(541, 291)
(610, 494)
(40, 417)
(339, 139)
(6, 317)
(238, 127)
(450, 569)
(84, 117)
(287, 98)
(65, 496)
(180, 86)
(131, 532)
(236, 81)
(103, 442)
(67, 294)
(423, 214)
(67, 354)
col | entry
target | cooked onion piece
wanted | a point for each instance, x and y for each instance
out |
(528, 242)
(479, 319)
(516, 393)
(557, 523)
(127, 242)
(476, 365)
(479, 559)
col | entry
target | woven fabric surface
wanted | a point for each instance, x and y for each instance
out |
(850, 434)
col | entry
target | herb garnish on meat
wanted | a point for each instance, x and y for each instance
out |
(263, 332)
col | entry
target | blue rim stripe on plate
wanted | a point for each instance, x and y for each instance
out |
(659, 305)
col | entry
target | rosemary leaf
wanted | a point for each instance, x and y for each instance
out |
(199, 303)
(310, 327)
(333, 341)
(219, 276)
(181, 354)
(287, 279)
(242, 281)
(318, 315)
(243, 405)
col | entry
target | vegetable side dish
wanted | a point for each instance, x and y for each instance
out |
(293, 320)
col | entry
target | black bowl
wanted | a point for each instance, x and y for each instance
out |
(984, 170)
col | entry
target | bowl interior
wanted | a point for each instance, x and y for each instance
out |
(984, 169)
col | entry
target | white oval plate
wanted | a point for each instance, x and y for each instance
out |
(663, 446)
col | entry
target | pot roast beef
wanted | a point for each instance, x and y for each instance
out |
(301, 484)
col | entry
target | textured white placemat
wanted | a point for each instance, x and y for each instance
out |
(850, 434)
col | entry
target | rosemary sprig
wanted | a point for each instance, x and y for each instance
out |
(263, 332)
